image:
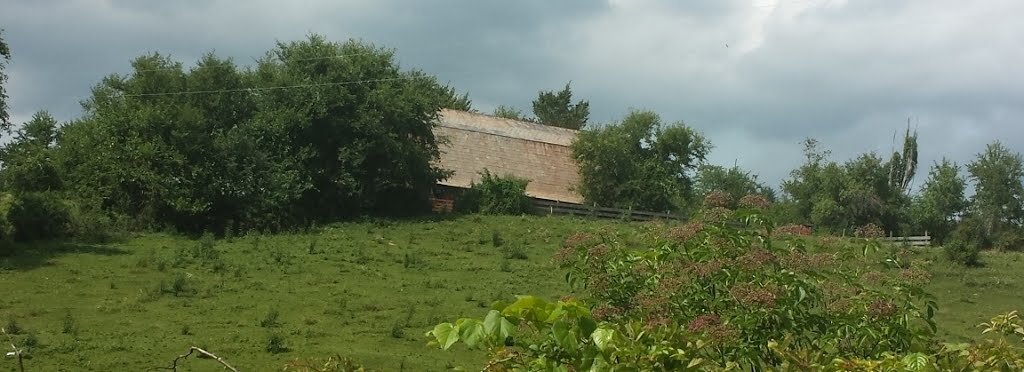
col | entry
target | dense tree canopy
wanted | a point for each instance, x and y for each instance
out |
(734, 181)
(842, 196)
(5, 56)
(316, 130)
(556, 109)
(941, 200)
(509, 112)
(999, 195)
(639, 163)
(28, 164)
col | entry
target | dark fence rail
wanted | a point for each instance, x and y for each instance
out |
(554, 207)
(916, 241)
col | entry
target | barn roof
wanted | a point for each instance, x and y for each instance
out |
(540, 153)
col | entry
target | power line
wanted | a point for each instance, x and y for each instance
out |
(181, 93)
(283, 60)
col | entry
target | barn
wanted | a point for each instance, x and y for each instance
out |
(473, 142)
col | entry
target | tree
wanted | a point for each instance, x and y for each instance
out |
(509, 112)
(452, 99)
(556, 109)
(28, 164)
(840, 196)
(733, 181)
(5, 56)
(298, 139)
(903, 166)
(639, 163)
(998, 199)
(941, 199)
(803, 187)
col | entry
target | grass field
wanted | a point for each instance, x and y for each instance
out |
(362, 290)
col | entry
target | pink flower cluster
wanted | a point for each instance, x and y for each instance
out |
(754, 259)
(915, 275)
(717, 199)
(869, 231)
(712, 326)
(873, 277)
(753, 295)
(798, 261)
(881, 309)
(793, 230)
(686, 231)
(717, 214)
(755, 201)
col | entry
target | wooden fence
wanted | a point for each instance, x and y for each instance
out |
(554, 207)
(543, 206)
(914, 241)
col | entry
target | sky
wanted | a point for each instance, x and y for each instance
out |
(755, 77)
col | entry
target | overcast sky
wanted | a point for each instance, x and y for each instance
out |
(755, 76)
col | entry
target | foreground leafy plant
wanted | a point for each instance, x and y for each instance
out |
(705, 295)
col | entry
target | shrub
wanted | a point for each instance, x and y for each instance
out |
(716, 199)
(13, 327)
(333, 364)
(793, 230)
(89, 223)
(205, 249)
(69, 325)
(275, 344)
(963, 252)
(38, 216)
(271, 319)
(7, 203)
(869, 231)
(723, 298)
(497, 195)
(515, 252)
(1010, 239)
(756, 202)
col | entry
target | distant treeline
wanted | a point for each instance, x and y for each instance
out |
(317, 131)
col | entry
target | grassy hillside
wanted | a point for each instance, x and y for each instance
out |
(362, 290)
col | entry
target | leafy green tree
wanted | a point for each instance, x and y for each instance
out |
(903, 165)
(497, 194)
(869, 197)
(734, 181)
(509, 112)
(941, 200)
(556, 109)
(804, 185)
(706, 296)
(5, 56)
(639, 163)
(304, 136)
(998, 199)
(838, 197)
(452, 99)
(28, 163)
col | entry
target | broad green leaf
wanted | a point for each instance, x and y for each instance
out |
(694, 363)
(522, 303)
(446, 335)
(496, 326)
(600, 365)
(603, 338)
(916, 361)
(556, 314)
(564, 335)
(471, 332)
(587, 326)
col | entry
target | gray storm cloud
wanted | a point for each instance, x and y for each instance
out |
(755, 76)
